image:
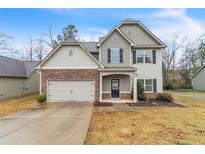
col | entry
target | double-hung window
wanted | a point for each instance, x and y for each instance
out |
(149, 85)
(140, 57)
(148, 57)
(115, 55)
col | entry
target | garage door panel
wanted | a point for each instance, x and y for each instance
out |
(71, 91)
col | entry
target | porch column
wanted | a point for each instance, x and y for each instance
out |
(135, 89)
(100, 87)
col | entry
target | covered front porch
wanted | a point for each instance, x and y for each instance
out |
(118, 85)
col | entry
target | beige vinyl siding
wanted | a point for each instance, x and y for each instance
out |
(150, 70)
(62, 59)
(119, 42)
(124, 82)
(10, 86)
(199, 80)
(33, 82)
(138, 35)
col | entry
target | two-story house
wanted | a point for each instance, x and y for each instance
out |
(108, 70)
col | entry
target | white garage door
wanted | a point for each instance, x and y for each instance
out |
(67, 91)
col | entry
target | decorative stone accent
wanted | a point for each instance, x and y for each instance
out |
(151, 95)
(122, 96)
(106, 96)
(70, 74)
(125, 96)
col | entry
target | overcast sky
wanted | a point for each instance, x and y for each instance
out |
(92, 23)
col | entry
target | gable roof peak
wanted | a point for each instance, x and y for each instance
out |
(130, 20)
(71, 40)
(119, 31)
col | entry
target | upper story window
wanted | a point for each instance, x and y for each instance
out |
(140, 56)
(115, 55)
(148, 57)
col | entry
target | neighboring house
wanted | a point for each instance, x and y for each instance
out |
(107, 70)
(17, 78)
(198, 79)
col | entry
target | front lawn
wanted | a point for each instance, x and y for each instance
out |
(152, 125)
(11, 106)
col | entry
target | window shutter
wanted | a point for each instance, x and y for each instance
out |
(134, 56)
(121, 55)
(154, 56)
(154, 85)
(109, 55)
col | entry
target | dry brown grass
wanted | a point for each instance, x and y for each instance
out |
(11, 106)
(156, 125)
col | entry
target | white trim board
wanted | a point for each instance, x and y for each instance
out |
(67, 44)
(144, 28)
(119, 31)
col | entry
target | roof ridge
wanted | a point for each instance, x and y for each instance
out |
(199, 70)
(88, 41)
(11, 58)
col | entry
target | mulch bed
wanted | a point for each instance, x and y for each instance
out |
(153, 103)
(103, 104)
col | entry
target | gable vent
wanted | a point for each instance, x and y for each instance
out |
(70, 53)
(114, 39)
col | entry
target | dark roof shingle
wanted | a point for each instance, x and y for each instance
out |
(90, 46)
(10, 67)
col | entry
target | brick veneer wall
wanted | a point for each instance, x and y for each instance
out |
(70, 74)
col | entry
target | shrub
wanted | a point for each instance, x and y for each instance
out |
(186, 85)
(41, 98)
(165, 97)
(140, 92)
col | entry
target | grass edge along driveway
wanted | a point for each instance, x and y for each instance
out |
(13, 105)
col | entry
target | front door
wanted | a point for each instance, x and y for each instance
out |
(115, 88)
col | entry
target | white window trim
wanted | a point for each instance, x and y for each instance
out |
(144, 81)
(143, 53)
(143, 56)
(148, 85)
(118, 56)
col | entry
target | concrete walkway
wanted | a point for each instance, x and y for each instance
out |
(57, 123)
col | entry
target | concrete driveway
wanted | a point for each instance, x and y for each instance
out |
(58, 123)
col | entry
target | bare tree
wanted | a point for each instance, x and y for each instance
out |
(39, 49)
(169, 55)
(189, 60)
(29, 48)
(49, 39)
(169, 59)
(5, 42)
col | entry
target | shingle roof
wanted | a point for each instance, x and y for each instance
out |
(71, 40)
(30, 67)
(90, 46)
(129, 20)
(199, 70)
(10, 67)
